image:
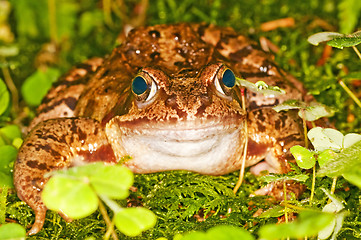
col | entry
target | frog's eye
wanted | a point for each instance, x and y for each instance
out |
(144, 88)
(225, 81)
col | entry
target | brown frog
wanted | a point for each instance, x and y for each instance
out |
(166, 97)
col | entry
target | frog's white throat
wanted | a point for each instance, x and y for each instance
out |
(213, 148)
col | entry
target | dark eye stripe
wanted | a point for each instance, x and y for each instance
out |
(139, 85)
(228, 78)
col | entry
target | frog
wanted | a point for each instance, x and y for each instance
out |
(167, 97)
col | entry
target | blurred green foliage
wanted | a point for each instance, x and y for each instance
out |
(43, 38)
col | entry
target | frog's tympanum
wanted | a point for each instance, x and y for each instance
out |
(166, 97)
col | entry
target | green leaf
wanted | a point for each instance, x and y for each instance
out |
(7, 157)
(260, 87)
(112, 181)
(222, 232)
(347, 163)
(346, 41)
(10, 132)
(133, 221)
(195, 236)
(73, 197)
(315, 111)
(273, 178)
(350, 139)
(325, 138)
(6, 179)
(310, 111)
(275, 211)
(353, 175)
(316, 38)
(17, 142)
(335, 39)
(4, 97)
(325, 156)
(290, 104)
(305, 158)
(12, 231)
(309, 223)
(37, 85)
(348, 14)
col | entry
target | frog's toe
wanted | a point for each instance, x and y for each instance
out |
(39, 220)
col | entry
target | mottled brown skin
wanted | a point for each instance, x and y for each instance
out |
(78, 120)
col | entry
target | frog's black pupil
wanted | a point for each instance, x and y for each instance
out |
(139, 85)
(228, 79)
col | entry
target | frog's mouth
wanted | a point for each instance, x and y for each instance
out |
(211, 148)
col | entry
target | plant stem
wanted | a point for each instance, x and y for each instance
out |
(108, 222)
(12, 88)
(241, 172)
(333, 187)
(350, 93)
(357, 51)
(285, 200)
(111, 204)
(313, 184)
(52, 21)
(304, 127)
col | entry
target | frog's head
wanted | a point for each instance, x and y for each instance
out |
(190, 119)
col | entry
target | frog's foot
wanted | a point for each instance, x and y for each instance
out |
(40, 213)
(276, 190)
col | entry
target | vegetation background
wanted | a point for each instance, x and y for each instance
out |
(42, 39)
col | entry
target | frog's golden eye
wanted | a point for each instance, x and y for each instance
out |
(143, 88)
(225, 80)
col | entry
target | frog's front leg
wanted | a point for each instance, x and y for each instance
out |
(52, 145)
(270, 136)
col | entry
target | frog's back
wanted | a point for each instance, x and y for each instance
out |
(100, 89)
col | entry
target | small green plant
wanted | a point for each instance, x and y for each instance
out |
(335, 207)
(339, 40)
(260, 87)
(79, 191)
